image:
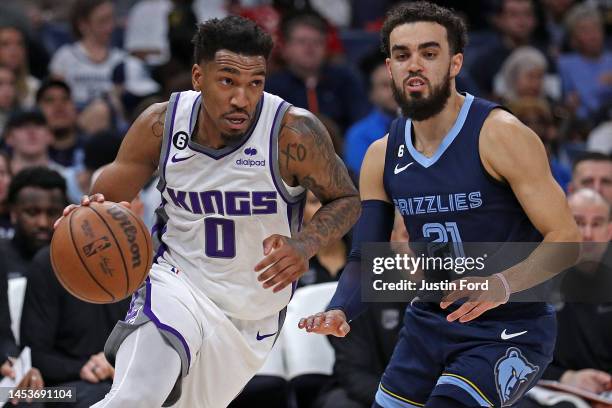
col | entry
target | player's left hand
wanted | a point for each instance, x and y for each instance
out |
(286, 259)
(478, 301)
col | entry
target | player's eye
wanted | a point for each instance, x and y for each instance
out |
(226, 81)
(401, 57)
(257, 82)
(430, 54)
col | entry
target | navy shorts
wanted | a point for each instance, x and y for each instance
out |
(486, 362)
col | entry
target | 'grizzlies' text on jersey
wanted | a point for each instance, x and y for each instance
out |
(219, 205)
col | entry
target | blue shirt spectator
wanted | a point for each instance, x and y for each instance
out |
(586, 74)
(374, 126)
(362, 134)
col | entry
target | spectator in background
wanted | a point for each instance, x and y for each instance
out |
(8, 347)
(361, 356)
(146, 31)
(374, 126)
(67, 335)
(29, 139)
(515, 22)
(555, 12)
(87, 65)
(309, 81)
(6, 226)
(8, 95)
(586, 73)
(98, 150)
(13, 54)
(36, 197)
(54, 99)
(327, 264)
(522, 75)
(537, 115)
(593, 170)
(583, 357)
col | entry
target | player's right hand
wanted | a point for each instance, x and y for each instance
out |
(85, 200)
(331, 322)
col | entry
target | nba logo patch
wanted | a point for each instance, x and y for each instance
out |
(390, 319)
(98, 245)
(513, 374)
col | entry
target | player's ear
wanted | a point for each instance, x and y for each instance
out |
(196, 77)
(456, 64)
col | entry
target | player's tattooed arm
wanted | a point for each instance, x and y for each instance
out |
(158, 116)
(307, 157)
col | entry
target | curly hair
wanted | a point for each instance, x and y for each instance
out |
(233, 33)
(456, 30)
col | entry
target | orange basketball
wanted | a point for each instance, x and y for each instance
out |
(101, 253)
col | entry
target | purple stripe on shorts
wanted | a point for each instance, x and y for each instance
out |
(149, 313)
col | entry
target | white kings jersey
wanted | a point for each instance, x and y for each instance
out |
(218, 206)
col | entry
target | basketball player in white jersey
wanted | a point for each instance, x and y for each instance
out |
(234, 164)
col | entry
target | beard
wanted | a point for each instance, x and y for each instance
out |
(419, 108)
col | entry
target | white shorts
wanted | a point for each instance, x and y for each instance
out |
(219, 354)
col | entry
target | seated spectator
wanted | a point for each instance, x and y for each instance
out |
(99, 150)
(594, 171)
(515, 22)
(309, 81)
(36, 199)
(327, 264)
(8, 348)
(13, 54)
(583, 356)
(87, 65)
(361, 356)
(67, 335)
(374, 126)
(522, 75)
(6, 226)
(8, 95)
(555, 12)
(146, 32)
(586, 73)
(536, 114)
(29, 139)
(54, 99)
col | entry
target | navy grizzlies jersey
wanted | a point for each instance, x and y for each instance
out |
(449, 198)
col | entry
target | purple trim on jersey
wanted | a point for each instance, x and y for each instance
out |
(176, 102)
(160, 251)
(149, 313)
(195, 103)
(288, 200)
(212, 153)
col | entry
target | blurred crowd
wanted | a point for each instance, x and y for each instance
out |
(75, 74)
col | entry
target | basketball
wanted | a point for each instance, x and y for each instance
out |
(101, 253)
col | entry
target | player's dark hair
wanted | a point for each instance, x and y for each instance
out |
(591, 156)
(39, 176)
(81, 10)
(233, 33)
(309, 19)
(456, 29)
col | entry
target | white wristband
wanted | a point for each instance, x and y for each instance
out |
(504, 281)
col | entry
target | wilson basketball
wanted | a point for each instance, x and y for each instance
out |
(101, 253)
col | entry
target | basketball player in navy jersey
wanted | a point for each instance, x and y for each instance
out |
(490, 181)
(234, 164)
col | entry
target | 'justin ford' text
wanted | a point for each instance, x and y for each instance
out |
(130, 231)
(438, 203)
(225, 202)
